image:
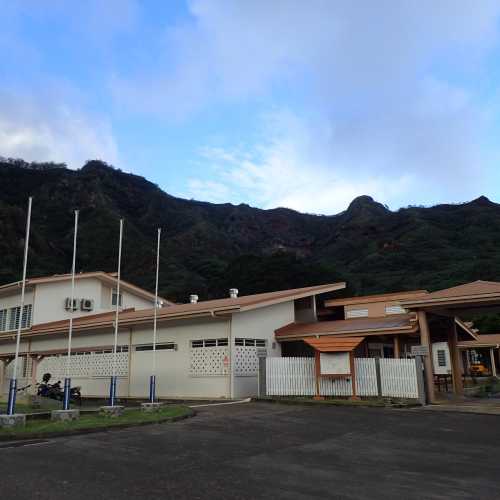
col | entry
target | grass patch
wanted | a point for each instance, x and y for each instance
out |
(43, 428)
(45, 406)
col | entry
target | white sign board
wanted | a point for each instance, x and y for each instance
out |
(334, 363)
(420, 350)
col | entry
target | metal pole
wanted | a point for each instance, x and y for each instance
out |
(112, 387)
(152, 380)
(67, 380)
(11, 405)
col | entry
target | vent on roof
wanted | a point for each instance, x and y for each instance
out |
(193, 299)
(233, 293)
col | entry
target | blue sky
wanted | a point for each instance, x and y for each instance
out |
(272, 103)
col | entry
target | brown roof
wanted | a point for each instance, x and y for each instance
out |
(482, 291)
(352, 327)
(484, 340)
(368, 299)
(341, 344)
(204, 308)
(109, 278)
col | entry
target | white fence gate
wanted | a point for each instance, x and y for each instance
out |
(296, 377)
(398, 378)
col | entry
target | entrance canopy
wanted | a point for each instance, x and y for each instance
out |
(329, 344)
(458, 300)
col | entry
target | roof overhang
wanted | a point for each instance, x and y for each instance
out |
(334, 344)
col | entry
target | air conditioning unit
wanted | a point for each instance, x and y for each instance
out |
(87, 305)
(67, 304)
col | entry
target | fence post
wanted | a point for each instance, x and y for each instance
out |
(261, 378)
(379, 377)
(420, 380)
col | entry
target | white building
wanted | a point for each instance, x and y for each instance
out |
(205, 349)
(49, 298)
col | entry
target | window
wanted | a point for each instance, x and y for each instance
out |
(356, 313)
(250, 342)
(27, 313)
(394, 310)
(3, 320)
(209, 343)
(14, 317)
(114, 297)
(441, 357)
(159, 347)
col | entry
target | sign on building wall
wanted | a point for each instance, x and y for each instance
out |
(335, 363)
(420, 350)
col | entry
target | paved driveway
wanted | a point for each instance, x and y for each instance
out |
(260, 450)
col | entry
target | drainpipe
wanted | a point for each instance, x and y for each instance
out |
(231, 359)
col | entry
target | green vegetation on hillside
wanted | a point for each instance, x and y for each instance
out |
(210, 248)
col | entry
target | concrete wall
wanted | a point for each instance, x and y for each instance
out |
(48, 299)
(173, 367)
(174, 375)
(259, 324)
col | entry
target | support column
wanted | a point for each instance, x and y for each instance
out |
(317, 371)
(353, 375)
(2, 376)
(458, 385)
(397, 347)
(493, 366)
(34, 367)
(425, 339)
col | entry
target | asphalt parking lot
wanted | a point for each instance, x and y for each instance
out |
(261, 450)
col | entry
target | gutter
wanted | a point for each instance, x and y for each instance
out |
(351, 333)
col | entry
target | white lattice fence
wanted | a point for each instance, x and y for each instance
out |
(85, 365)
(209, 361)
(296, 377)
(246, 363)
(399, 378)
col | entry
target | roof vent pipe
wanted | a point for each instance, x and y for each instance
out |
(193, 299)
(233, 293)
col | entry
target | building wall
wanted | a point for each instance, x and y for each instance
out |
(375, 309)
(173, 378)
(178, 371)
(259, 324)
(128, 300)
(48, 299)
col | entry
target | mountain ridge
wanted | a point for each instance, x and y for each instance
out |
(208, 248)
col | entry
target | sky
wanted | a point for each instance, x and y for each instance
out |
(272, 103)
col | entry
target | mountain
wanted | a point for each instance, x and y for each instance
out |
(209, 248)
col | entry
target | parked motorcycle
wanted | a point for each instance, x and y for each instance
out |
(55, 391)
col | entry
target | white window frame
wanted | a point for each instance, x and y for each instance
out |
(3, 319)
(394, 309)
(356, 313)
(113, 300)
(14, 317)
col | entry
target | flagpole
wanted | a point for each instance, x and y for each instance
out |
(112, 388)
(67, 379)
(11, 405)
(152, 380)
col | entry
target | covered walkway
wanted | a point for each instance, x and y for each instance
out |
(446, 305)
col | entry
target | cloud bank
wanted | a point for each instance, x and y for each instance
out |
(384, 98)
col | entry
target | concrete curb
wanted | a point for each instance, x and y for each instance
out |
(333, 402)
(91, 430)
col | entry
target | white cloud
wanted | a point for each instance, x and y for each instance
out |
(386, 96)
(49, 129)
(287, 169)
